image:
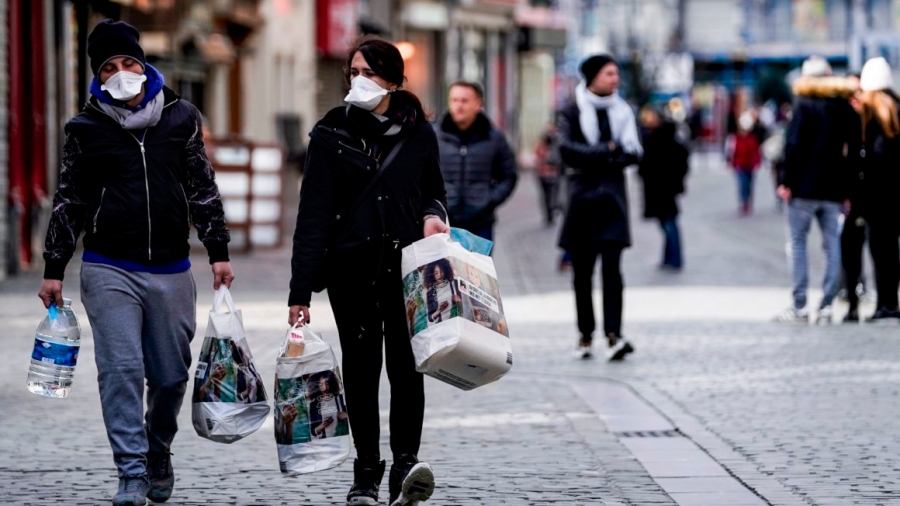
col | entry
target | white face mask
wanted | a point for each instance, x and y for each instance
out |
(365, 93)
(124, 85)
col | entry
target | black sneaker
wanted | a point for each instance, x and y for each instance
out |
(410, 482)
(618, 347)
(884, 315)
(132, 491)
(367, 475)
(852, 316)
(162, 477)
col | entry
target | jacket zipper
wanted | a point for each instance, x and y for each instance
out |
(367, 155)
(461, 203)
(97, 214)
(187, 206)
(147, 188)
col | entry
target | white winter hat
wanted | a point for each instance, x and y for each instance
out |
(815, 66)
(876, 75)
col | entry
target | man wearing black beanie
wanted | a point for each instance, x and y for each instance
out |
(134, 177)
(598, 139)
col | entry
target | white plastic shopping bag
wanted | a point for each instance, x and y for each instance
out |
(229, 401)
(312, 431)
(455, 316)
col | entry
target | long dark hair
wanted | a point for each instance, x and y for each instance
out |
(384, 59)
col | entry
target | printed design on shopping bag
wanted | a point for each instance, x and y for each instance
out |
(310, 407)
(226, 373)
(449, 288)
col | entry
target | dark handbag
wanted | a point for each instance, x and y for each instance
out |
(345, 218)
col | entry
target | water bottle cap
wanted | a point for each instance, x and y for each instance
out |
(67, 302)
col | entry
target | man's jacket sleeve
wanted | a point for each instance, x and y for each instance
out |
(434, 195)
(503, 172)
(579, 155)
(69, 209)
(203, 197)
(793, 145)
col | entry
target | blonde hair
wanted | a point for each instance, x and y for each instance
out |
(881, 106)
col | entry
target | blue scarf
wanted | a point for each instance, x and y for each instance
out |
(153, 85)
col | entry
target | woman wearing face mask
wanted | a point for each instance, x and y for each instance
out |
(371, 186)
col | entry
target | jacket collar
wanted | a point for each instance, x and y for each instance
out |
(480, 129)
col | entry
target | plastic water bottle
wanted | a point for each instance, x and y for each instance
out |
(56, 345)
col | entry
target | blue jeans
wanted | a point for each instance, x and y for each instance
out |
(745, 186)
(801, 213)
(672, 248)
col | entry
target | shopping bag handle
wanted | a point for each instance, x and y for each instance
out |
(223, 295)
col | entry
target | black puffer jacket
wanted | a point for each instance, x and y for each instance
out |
(339, 166)
(135, 200)
(815, 164)
(479, 171)
(598, 199)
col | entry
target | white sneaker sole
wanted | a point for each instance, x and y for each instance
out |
(618, 352)
(417, 486)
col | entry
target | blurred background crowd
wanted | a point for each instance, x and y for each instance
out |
(263, 71)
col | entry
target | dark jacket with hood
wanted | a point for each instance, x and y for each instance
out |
(821, 129)
(663, 169)
(135, 193)
(598, 199)
(479, 171)
(340, 163)
(876, 174)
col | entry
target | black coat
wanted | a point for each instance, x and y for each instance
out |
(479, 171)
(338, 168)
(815, 166)
(877, 175)
(598, 199)
(135, 200)
(663, 169)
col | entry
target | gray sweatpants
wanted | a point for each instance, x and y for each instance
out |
(143, 325)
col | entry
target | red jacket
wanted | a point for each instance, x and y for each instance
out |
(746, 155)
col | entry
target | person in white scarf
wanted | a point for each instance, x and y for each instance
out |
(598, 139)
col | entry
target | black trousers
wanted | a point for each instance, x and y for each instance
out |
(368, 316)
(853, 240)
(549, 191)
(583, 261)
(884, 241)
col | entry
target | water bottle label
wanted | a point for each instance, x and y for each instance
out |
(55, 353)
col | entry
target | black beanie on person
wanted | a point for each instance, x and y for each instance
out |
(592, 66)
(113, 38)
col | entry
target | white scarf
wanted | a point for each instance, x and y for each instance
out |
(621, 119)
(137, 120)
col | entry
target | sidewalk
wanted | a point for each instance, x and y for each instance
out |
(718, 406)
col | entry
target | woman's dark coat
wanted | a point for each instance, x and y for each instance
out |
(663, 169)
(598, 202)
(339, 166)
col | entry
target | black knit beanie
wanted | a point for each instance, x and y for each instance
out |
(110, 39)
(592, 66)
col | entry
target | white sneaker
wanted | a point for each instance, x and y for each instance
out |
(825, 316)
(793, 315)
(619, 349)
(417, 486)
(584, 350)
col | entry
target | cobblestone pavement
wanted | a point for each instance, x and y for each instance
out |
(801, 415)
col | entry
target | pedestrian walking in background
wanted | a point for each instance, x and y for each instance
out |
(744, 157)
(134, 176)
(879, 178)
(478, 165)
(598, 139)
(372, 186)
(853, 232)
(663, 169)
(815, 177)
(549, 168)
